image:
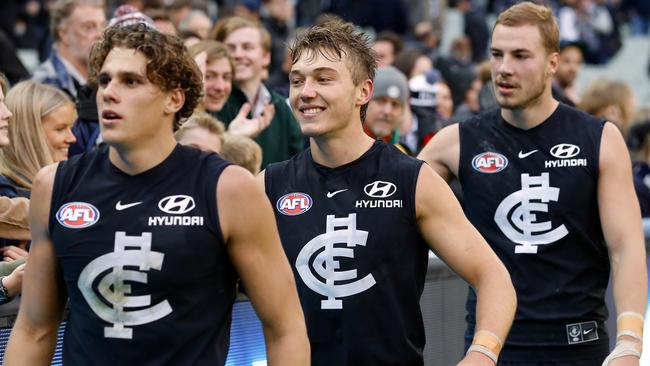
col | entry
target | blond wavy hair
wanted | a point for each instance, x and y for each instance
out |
(29, 150)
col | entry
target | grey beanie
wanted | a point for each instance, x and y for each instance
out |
(390, 82)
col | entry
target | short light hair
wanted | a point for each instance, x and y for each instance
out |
(602, 93)
(205, 121)
(227, 26)
(528, 13)
(62, 9)
(29, 151)
(335, 38)
(4, 83)
(214, 50)
(242, 151)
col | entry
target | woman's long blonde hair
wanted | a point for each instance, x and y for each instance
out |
(29, 150)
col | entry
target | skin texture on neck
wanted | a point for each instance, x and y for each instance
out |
(531, 115)
(133, 160)
(65, 53)
(344, 148)
(251, 89)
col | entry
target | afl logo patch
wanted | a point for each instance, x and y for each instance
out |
(293, 204)
(77, 215)
(489, 162)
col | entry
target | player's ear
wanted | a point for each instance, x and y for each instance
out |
(174, 101)
(365, 92)
(553, 62)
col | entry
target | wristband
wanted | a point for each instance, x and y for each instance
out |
(623, 348)
(630, 323)
(487, 343)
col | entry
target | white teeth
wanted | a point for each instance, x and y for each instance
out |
(311, 111)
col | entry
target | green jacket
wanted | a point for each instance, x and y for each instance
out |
(281, 140)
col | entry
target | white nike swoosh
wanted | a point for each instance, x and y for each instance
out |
(332, 194)
(523, 155)
(587, 331)
(119, 206)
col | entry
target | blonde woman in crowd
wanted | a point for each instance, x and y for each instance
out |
(13, 220)
(40, 134)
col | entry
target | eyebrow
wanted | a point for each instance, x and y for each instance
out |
(316, 70)
(516, 50)
(125, 75)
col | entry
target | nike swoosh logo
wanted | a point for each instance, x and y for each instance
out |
(587, 331)
(332, 194)
(523, 155)
(119, 206)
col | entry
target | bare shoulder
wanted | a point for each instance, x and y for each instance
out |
(443, 151)
(238, 194)
(613, 150)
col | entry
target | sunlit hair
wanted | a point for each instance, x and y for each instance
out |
(204, 121)
(3, 83)
(169, 65)
(334, 38)
(62, 9)
(602, 93)
(227, 26)
(29, 151)
(242, 151)
(528, 13)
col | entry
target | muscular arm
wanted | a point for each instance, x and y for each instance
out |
(458, 243)
(33, 337)
(442, 153)
(621, 221)
(254, 245)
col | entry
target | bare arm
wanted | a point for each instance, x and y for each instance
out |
(459, 244)
(248, 225)
(621, 221)
(442, 153)
(33, 337)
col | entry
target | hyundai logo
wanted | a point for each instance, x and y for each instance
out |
(380, 189)
(565, 151)
(176, 205)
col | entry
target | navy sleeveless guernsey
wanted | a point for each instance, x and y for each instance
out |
(143, 261)
(351, 236)
(533, 195)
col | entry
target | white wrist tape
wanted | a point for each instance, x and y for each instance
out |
(630, 323)
(624, 348)
(487, 343)
(482, 349)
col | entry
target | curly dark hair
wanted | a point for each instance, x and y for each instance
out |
(170, 66)
(334, 37)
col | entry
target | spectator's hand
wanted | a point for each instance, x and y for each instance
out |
(476, 359)
(14, 282)
(251, 127)
(11, 253)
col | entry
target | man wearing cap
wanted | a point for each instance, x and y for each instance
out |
(386, 109)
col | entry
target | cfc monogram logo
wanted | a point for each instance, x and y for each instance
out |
(326, 265)
(516, 216)
(132, 251)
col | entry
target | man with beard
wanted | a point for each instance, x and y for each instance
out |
(568, 68)
(550, 188)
